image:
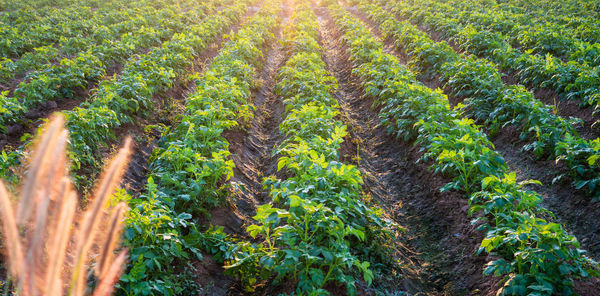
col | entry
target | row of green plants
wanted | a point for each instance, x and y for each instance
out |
(533, 256)
(118, 100)
(15, 10)
(319, 231)
(581, 24)
(70, 75)
(576, 8)
(190, 167)
(101, 122)
(20, 38)
(110, 29)
(31, 30)
(37, 52)
(539, 34)
(571, 80)
(490, 101)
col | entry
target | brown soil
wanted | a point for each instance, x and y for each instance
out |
(252, 148)
(34, 118)
(211, 277)
(575, 211)
(11, 85)
(570, 108)
(438, 228)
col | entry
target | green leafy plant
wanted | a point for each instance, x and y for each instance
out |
(533, 255)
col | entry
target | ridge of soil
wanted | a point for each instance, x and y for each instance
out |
(438, 227)
(573, 210)
(251, 148)
(251, 151)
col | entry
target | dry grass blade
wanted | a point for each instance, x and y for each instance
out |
(39, 167)
(87, 233)
(52, 170)
(112, 238)
(58, 242)
(108, 281)
(11, 232)
(40, 236)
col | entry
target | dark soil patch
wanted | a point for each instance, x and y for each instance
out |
(33, 119)
(211, 277)
(349, 148)
(251, 152)
(134, 180)
(438, 229)
(12, 84)
(252, 148)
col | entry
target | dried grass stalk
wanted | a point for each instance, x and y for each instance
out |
(38, 257)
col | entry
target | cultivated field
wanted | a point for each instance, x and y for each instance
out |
(298, 147)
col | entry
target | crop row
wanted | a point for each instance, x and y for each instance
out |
(581, 26)
(59, 25)
(526, 31)
(118, 100)
(189, 167)
(574, 15)
(569, 79)
(128, 21)
(497, 105)
(131, 93)
(23, 11)
(534, 257)
(580, 8)
(318, 230)
(63, 80)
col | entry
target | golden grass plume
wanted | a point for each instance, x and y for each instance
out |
(47, 253)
